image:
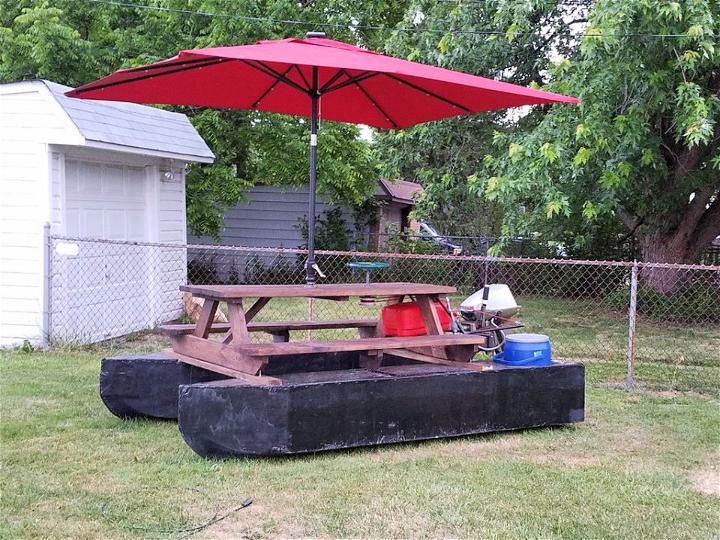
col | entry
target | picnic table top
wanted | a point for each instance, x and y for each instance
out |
(224, 292)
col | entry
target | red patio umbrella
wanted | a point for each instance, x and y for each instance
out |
(311, 76)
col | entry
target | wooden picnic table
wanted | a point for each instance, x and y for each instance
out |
(237, 356)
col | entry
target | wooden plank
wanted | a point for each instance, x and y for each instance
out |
(205, 320)
(429, 315)
(223, 292)
(412, 355)
(238, 325)
(453, 353)
(432, 322)
(218, 354)
(371, 344)
(223, 370)
(256, 307)
(270, 327)
(371, 360)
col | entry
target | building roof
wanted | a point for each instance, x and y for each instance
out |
(133, 126)
(398, 191)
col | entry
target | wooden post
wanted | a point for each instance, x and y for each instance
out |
(238, 325)
(432, 321)
(205, 320)
(310, 306)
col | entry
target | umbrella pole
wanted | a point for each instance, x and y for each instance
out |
(314, 98)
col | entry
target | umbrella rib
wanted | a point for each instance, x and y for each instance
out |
(169, 64)
(363, 76)
(212, 62)
(428, 92)
(269, 89)
(339, 73)
(302, 76)
(267, 70)
(377, 105)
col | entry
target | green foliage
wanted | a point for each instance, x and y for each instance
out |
(73, 42)
(640, 153)
(331, 231)
(398, 242)
(279, 271)
(202, 269)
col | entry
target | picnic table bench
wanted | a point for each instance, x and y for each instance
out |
(237, 356)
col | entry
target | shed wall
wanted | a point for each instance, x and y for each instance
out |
(270, 217)
(171, 265)
(28, 120)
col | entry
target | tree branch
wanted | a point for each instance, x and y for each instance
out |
(630, 220)
(638, 222)
(697, 207)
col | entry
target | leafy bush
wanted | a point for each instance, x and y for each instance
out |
(331, 231)
(278, 271)
(202, 270)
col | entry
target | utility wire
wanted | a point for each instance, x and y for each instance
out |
(295, 22)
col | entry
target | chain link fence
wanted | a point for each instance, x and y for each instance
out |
(659, 317)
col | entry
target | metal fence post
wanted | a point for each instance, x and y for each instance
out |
(632, 313)
(47, 287)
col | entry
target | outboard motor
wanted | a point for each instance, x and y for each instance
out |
(486, 309)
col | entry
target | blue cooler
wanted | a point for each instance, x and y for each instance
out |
(525, 350)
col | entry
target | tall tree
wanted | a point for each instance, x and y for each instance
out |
(641, 149)
(496, 39)
(75, 41)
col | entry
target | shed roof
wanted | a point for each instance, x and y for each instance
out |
(133, 126)
(399, 191)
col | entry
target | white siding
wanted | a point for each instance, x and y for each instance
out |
(172, 229)
(27, 119)
(57, 192)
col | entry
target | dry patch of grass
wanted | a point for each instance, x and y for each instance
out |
(707, 479)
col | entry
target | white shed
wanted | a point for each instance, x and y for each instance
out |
(90, 169)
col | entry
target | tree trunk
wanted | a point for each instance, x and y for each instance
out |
(659, 247)
(676, 246)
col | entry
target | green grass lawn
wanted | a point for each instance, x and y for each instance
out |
(643, 465)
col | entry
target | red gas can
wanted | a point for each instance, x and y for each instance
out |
(403, 320)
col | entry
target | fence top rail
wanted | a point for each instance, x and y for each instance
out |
(389, 255)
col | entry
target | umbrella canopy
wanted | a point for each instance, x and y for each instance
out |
(313, 77)
(357, 85)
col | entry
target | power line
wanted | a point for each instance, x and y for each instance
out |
(485, 2)
(295, 22)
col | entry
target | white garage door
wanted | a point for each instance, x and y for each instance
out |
(106, 290)
(105, 201)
